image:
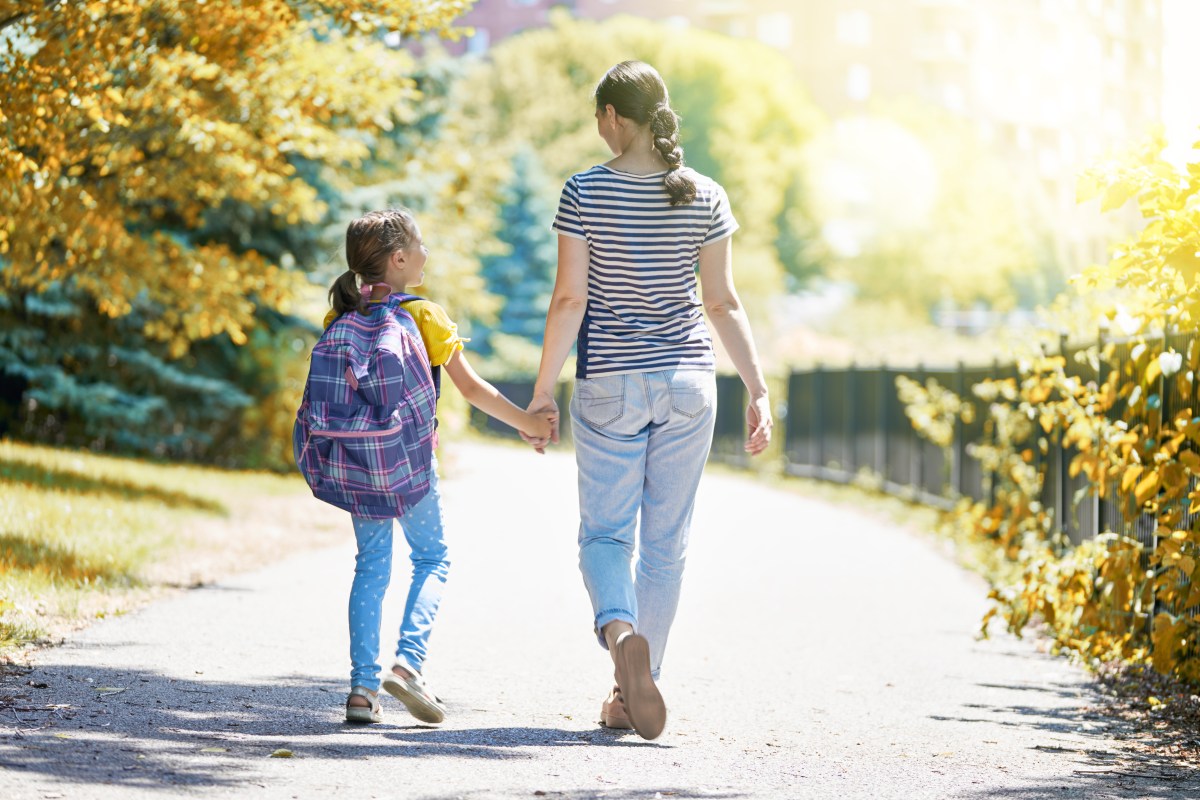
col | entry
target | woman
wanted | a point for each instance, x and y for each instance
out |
(631, 232)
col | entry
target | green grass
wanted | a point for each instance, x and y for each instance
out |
(79, 530)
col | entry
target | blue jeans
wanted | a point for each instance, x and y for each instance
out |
(422, 527)
(641, 441)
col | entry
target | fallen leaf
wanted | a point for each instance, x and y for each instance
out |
(109, 689)
(281, 753)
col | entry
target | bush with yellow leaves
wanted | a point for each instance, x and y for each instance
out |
(1133, 432)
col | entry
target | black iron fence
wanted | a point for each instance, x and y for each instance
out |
(849, 424)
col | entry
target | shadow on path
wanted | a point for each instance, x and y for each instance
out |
(140, 728)
(1099, 768)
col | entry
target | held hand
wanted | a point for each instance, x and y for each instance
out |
(759, 424)
(543, 405)
(542, 427)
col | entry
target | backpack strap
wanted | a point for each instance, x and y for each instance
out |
(398, 299)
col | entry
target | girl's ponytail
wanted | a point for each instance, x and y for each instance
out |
(664, 125)
(345, 296)
(370, 241)
(637, 92)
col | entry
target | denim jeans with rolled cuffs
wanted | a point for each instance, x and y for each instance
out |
(422, 526)
(641, 442)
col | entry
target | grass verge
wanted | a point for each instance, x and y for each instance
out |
(84, 536)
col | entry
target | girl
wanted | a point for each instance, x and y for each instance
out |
(630, 235)
(385, 254)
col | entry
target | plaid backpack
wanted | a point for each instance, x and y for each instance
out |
(365, 430)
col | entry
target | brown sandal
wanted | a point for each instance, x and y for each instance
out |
(643, 703)
(612, 711)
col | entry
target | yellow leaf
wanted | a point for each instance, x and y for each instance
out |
(1153, 370)
(1191, 460)
(281, 753)
(1130, 476)
(1117, 195)
(1147, 487)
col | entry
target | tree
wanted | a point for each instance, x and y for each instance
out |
(524, 274)
(919, 211)
(127, 124)
(746, 119)
(163, 191)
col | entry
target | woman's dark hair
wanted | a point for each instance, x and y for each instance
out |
(637, 92)
(370, 241)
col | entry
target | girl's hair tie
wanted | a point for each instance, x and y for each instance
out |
(367, 288)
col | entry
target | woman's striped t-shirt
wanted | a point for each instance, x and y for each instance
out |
(643, 310)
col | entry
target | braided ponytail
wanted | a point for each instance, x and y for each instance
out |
(637, 92)
(664, 124)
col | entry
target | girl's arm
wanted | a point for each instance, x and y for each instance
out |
(728, 319)
(567, 306)
(488, 399)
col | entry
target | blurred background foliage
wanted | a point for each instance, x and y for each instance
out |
(173, 197)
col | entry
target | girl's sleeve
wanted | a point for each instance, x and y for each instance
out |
(722, 224)
(568, 220)
(438, 331)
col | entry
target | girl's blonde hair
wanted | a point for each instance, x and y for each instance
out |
(370, 241)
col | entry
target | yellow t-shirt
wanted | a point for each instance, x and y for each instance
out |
(438, 331)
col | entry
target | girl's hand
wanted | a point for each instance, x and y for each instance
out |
(759, 424)
(540, 428)
(543, 405)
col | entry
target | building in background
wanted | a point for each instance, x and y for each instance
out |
(1051, 85)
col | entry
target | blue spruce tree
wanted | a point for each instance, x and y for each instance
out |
(523, 277)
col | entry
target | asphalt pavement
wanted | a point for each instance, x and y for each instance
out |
(820, 652)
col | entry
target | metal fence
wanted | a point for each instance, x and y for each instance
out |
(849, 424)
(846, 424)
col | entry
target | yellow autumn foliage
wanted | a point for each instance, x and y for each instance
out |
(125, 121)
(1133, 430)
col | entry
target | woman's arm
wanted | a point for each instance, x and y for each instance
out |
(567, 306)
(728, 319)
(487, 398)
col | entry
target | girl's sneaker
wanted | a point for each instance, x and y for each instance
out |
(410, 690)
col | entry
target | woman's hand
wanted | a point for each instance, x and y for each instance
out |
(543, 404)
(759, 424)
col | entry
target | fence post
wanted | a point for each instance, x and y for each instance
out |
(1061, 501)
(851, 422)
(993, 476)
(819, 420)
(1097, 522)
(885, 429)
(958, 479)
(917, 462)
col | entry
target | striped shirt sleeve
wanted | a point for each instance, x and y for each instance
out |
(568, 221)
(723, 223)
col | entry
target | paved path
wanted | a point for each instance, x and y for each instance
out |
(819, 652)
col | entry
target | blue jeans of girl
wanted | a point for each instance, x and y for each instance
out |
(422, 527)
(641, 442)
